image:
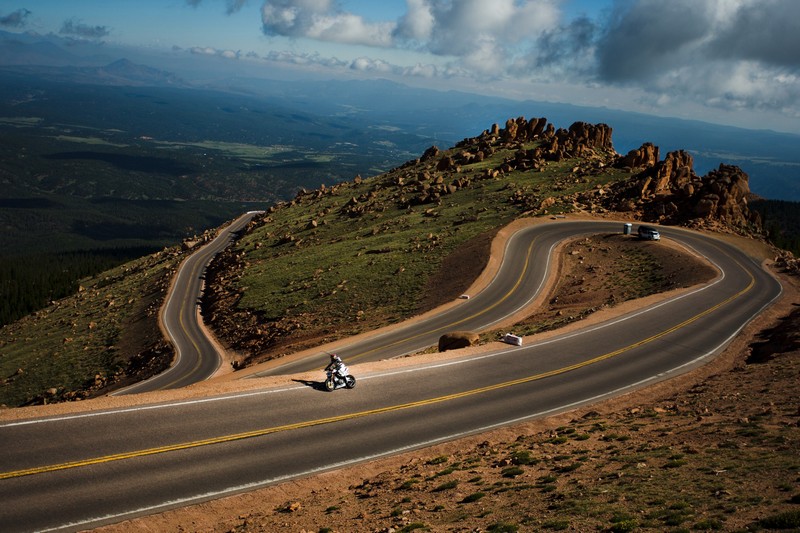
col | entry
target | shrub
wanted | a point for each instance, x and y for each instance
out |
(787, 520)
(473, 497)
(708, 524)
(556, 525)
(502, 527)
(675, 463)
(569, 468)
(512, 471)
(408, 484)
(523, 457)
(413, 526)
(446, 486)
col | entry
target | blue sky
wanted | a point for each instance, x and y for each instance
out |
(727, 61)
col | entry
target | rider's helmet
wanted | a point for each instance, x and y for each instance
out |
(334, 356)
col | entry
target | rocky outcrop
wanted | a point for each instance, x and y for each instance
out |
(500, 159)
(645, 156)
(670, 192)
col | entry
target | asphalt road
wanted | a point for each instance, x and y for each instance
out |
(80, 471)
(197, 358)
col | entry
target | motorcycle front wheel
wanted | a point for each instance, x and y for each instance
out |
(350, 382)
(329, 386)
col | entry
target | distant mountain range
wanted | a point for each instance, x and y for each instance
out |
(770, 158)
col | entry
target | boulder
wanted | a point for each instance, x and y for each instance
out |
(644, 156)
(457, 339)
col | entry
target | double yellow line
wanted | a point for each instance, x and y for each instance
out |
(361, 414)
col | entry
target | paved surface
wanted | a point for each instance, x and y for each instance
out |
(80, 471)
(197, 358)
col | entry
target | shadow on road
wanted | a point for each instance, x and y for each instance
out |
(316, 385)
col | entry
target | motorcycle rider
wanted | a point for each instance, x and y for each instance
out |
(335, 365)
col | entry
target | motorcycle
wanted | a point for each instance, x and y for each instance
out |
(339, 377)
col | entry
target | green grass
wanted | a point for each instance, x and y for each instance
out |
(317, 256)
(446, 486)
(74, 344)
(391, 245)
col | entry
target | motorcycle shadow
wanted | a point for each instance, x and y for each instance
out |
(316, 385)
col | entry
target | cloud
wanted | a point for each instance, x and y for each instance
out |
(417, 24)
(15, 19)
(322, 20)
(767, 32)
(483, 36)
(79, 29)
(732, 55)
(210, 51)
(232, 5)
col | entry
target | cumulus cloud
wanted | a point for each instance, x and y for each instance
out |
(480, 32)
(79, 29)
(724, 53)
(210, 51)
(417, 24)
(15, 19)
(734, 55)
(767, 31)
(322, 20)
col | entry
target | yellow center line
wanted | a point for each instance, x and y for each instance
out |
(475, 315)
(361, 414)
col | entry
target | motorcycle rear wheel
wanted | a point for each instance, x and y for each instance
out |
(350, 382)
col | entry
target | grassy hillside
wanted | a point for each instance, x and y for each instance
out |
(330, 262)
(345, 259)
(105, 334)
(334, 261)
(112, 171)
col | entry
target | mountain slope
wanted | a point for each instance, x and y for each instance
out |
(309, 269)
(306, 271)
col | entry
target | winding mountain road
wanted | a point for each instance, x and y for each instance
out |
(197, 357)
(79, 471)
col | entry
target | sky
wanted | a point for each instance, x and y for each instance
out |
(733, 62)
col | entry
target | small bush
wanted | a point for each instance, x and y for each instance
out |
(556, 525)
(473, 497)
(408, 484)
(569, 468)
(708, 524)
(523, 457)
(512, 471)
(446, 486)
(502, 527)
(787, 520)
(623, 526)
(438, 460)
(675, 463)
(412, 527)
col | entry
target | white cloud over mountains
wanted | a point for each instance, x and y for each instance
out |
(720, 53)
(716, 56)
